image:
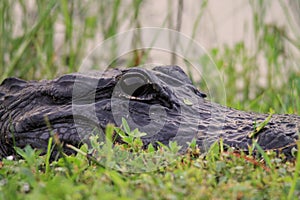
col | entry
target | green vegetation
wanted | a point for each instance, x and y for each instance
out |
(28, 49)
(127, 172)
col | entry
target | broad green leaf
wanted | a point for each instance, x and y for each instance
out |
(125, 126)
(187, 102)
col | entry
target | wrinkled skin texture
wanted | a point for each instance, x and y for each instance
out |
(161, 102)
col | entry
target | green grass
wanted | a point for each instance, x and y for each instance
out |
(92, 174)
(29, 52)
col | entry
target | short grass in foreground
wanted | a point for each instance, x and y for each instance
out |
(147, 174)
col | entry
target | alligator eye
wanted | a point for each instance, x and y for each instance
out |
(131, 83)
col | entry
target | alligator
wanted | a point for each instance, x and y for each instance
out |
(162, 102)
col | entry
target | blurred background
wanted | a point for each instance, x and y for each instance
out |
(254, 43)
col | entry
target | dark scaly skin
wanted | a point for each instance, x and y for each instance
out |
(31, 110)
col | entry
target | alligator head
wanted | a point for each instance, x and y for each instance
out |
(162, 102)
